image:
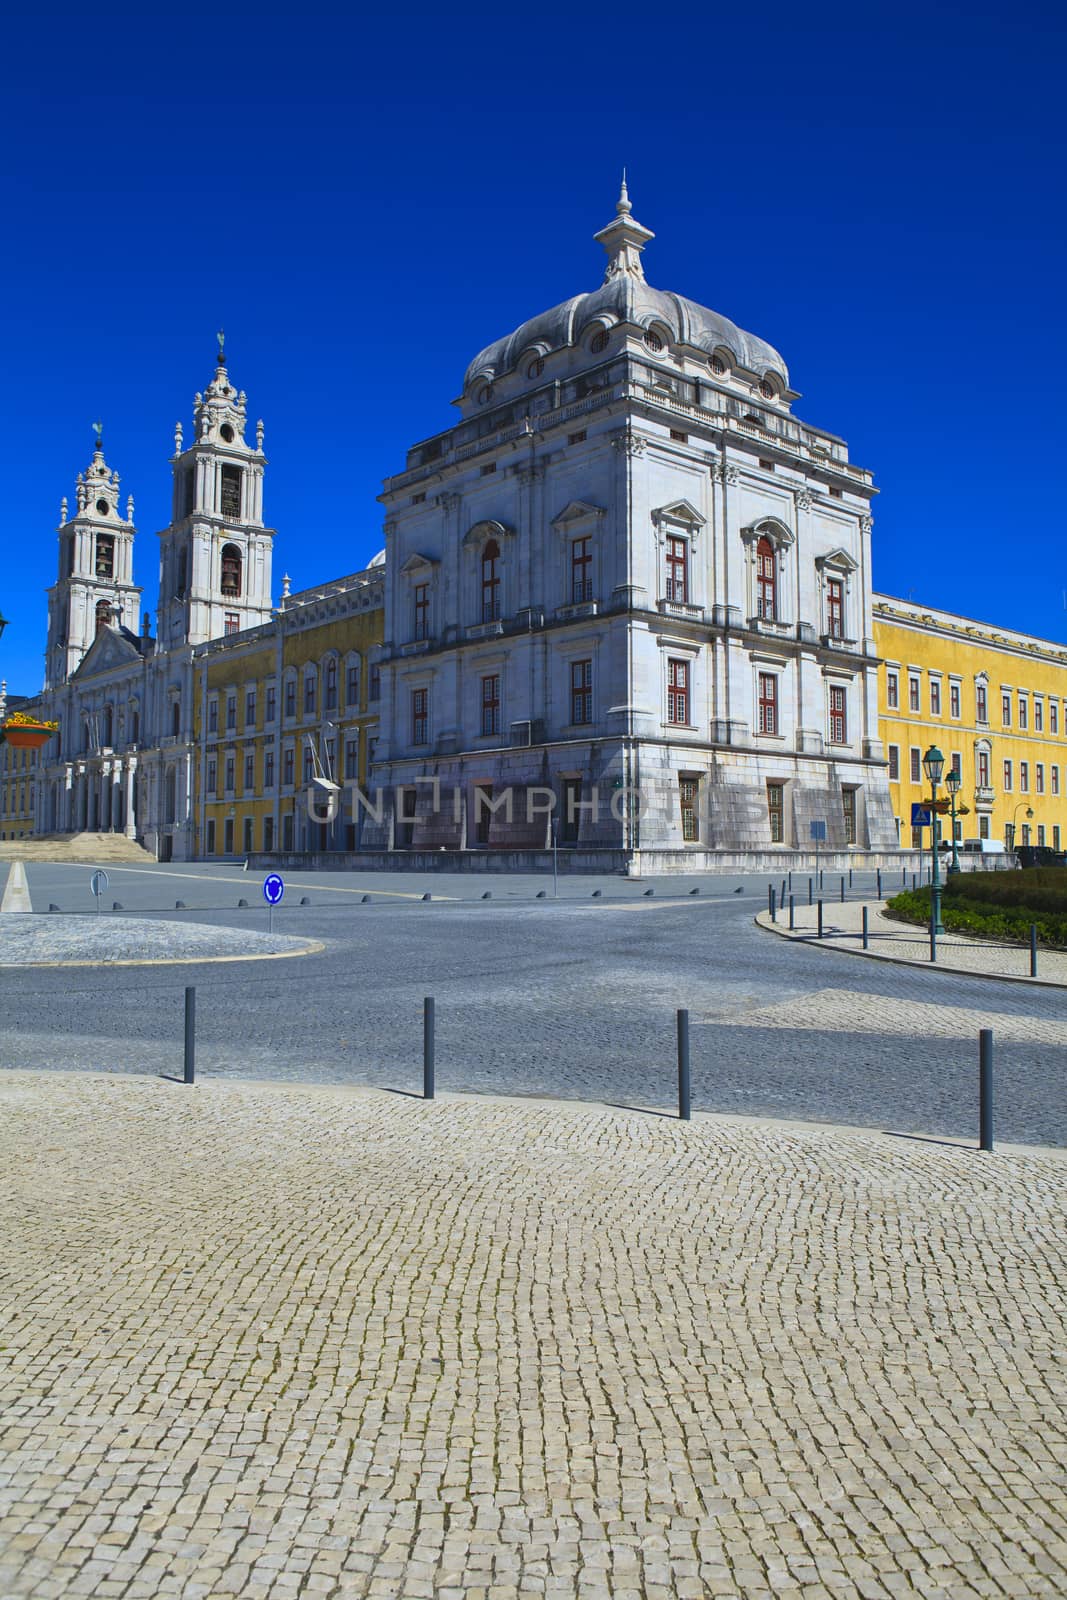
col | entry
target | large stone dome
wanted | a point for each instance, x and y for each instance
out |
(626, 298)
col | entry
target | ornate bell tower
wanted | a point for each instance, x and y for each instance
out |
(94, 588)
(215, 556)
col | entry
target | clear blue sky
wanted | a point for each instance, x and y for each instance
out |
(364, 199)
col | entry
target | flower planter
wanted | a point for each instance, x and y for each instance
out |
(27, 735)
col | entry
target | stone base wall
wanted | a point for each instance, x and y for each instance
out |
(620, 863)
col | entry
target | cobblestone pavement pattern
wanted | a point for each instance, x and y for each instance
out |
(29, 941)
(273, 1342)
(901, 941)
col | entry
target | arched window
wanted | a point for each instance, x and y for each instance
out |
(766, 581)
(490, 581)
(231, 571)
(103, 614)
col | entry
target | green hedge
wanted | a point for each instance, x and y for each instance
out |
(1041, 889)
(966, 914)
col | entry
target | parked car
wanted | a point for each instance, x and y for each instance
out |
(981, 847)
(1039, 855)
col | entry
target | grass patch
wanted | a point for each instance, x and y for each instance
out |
(999, 905)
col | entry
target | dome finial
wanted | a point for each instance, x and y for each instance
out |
(624, 238)
(623, 206)
(221, 337)
(98, 429)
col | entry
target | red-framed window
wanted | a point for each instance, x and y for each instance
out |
(1039, 716)
(677, 571)
(491, 581)
(981, 703)
(835, 608)
(982, 766)
(1024, 776)
(581, 570)
(1005, 709)
(776, 811)
(892, 690)
(231, 623)
(688, 794)
(491, 704)
(420, 716)
(768, 702)
(422, 611)
(331, 685)
(953, 699)
(914, 694)
(581, 691)
(1023, 720)
(935, 697)
(287, 768)
(838, 718)
(1007, 777)
(1053, 717)
(766, 580)
(894, 763)
(678, 692)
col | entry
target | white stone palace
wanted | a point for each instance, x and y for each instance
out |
(124, 757)
(630, 585)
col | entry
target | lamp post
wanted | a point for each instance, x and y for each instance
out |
(952, 784)
(934, 766)
(1010, 829)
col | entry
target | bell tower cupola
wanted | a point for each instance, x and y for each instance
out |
(215, 556)
(94, 587)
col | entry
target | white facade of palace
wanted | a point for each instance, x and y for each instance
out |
(631, 585)
(123, 699)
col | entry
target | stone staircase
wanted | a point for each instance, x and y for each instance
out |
(94, 849)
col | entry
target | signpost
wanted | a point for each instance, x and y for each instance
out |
(273, 889)
(920, 815)
(98, 883)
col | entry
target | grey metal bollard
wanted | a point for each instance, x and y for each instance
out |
(190, 1033)
(878, 882)
(792, 911)
(820, 920)
(850, 877)
(781, 896)
(770, 901)
(842, 891)
(865, 929)
(428, 1062)
(985, 1089)
(811, 887)
(1033, 949)
(684, 1086)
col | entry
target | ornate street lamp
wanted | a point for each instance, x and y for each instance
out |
(934, 766)
(1010, 828)
(952, 784)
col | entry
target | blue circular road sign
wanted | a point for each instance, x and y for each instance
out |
(273, 888)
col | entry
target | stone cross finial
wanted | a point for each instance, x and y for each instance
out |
(624, 238)
(178, 436)
(98, 429)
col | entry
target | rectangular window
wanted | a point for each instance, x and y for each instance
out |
(250, 773)
(1055, 836)
(250, 708)
(352, 686)
(1005, 710)
(1007, 777)
(576, 438)
(1039, 778)
(422, 611)
(1041, 833)
(211, 836)
(1054, 779)
(894, 763)
(892, 690)
(953, 699)
(352, 757)
(420, 716)
(105, 555)
(231, 711)
(1053, 717)
(1039, 716)
(490, 704)
(212, 776)
(581, 692)
(835, 608)
(688, 789)
(309, 694)
(230, 773)
(1026, 833)
(213, 716)
(290, 698)
(1024, 720)
(287, 768)
(915, 765)
(838, 722)
(309, 765)
(268, 770)
(247, 831)
(231, 492)
(913, 694)
(982, 765)
(232, 623)
(768, 702)
(329, 696)
(1024, 777)
(848, 805)
(677, 571)
(776, 811)
(981, 705)
(581, 571)
(375, 690)
(678, 692)
(272, 703)
(935, 697)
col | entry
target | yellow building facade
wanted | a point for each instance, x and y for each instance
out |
(277, 707)
(994, 701)
(18, 776)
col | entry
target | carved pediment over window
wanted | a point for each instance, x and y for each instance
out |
(840, 560)
(771, 528)
(679, 511)
(577, 511)
(418, 563)
(483, 531)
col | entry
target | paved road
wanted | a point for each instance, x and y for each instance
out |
(575, 999)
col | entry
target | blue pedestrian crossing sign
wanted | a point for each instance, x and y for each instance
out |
(920, 816)
(273, 888)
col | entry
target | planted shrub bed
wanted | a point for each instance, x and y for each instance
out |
(999, 905)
